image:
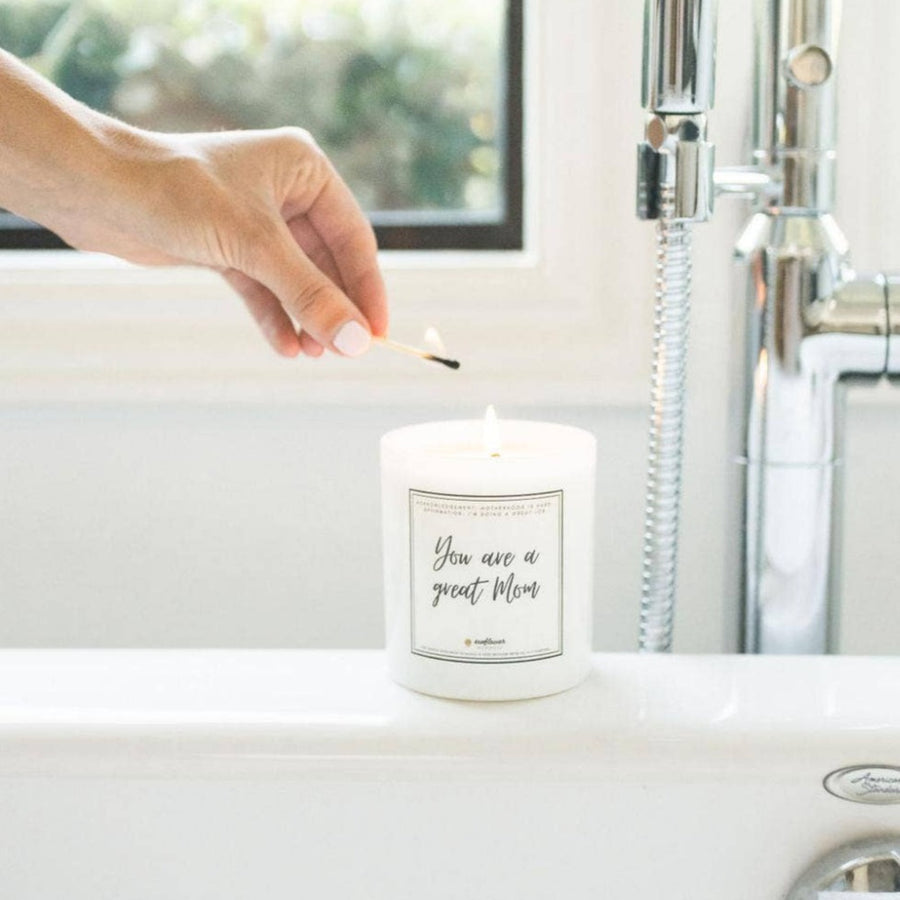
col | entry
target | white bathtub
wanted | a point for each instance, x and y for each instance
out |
(307, 774)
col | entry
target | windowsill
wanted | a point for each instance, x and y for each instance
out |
(92, 328)
(14, 263)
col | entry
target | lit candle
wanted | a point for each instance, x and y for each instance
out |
(488, 549)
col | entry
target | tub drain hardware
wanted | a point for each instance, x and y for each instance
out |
(864, 868)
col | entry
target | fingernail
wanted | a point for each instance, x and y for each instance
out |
(352, 339)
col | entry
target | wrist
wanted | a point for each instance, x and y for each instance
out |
(49, 144)
(118, 178)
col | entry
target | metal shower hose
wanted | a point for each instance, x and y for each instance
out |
(661, 515)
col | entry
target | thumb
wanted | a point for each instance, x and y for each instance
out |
(315, 302)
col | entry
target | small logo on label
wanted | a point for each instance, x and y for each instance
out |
(865, 784)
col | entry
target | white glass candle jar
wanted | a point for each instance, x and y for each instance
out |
(488, 557)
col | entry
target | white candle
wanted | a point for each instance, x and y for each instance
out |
(488, 549)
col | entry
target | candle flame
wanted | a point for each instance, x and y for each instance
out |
(491, 432)
(433, 342)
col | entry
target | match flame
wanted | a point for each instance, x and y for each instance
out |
(491, 432)
(433, 342)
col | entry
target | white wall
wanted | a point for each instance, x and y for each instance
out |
(180, 523)
(214, 526)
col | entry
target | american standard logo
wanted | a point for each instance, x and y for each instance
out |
(865, 784)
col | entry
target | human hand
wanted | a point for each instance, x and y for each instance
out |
(265, 208)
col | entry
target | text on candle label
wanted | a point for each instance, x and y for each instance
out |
(486, 576)
(505, 587)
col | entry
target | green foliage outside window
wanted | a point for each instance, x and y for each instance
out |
(404, 95)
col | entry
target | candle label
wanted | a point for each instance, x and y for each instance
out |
(486, 576)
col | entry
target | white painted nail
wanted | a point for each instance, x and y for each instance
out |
(352, 339)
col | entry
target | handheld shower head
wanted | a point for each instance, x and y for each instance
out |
(678, 89)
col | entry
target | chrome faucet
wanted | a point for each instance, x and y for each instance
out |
(810, 324)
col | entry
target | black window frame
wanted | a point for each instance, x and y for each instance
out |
(417, 230)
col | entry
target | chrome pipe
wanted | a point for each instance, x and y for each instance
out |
(811, 325)
(794, 125)
(679, 56)
(892, 287)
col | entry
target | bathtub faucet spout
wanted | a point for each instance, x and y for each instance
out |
(811, 326)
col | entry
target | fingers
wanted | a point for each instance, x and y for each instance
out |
(348, 236)
(267, 310)
(310, 346)
(307, 294)
(315, 248)
(314, 251)
(273, 321)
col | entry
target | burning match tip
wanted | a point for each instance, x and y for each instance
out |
(416, 351)
(449, 363)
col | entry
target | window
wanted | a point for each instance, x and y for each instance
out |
(556, 322)
(417, 102)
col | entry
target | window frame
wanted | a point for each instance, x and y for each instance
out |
(506, 234)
